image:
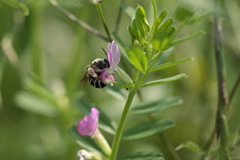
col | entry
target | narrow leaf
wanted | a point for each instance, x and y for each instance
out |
(132, 33)
(156, 105)
(165, 80)
(174, 42)
(137, 58)
(85, 142)
(142, 156)
(105, 122)
(140, 13)
(137, 31)
(162, 37)
(189, 145)
(170, 64)
(147, 129)
(139, 27)
(17, 4)
(198, 18)
(35, 104)
(116, 92)
(154, 9)
(168, 23)
(127, 9)
(159, 20)
(184, 13)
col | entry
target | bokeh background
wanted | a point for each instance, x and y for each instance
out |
(43, 56)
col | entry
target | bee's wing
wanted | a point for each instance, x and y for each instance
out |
(84, 80)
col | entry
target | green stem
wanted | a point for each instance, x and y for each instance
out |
(76, 20)
(117, 137)
(35, 36)
(221, 120)
(103, 21)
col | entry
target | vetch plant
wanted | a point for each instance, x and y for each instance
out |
(148, 44)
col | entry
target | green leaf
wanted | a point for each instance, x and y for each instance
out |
(147, 129)
(137, 31)
(156, 105)
(139, 28)
(174, 42)
(189, 145)
(35, 104)
(168, 23)
(140, 14)
(163, 35)
(142, 156)
(105, 123)
(137, 58)
(184, 13)
(165, 80)
(170, 64)
(158, 21)
(127, 9)
(132, 33)
(154, 8)
(198, 18)
(85, 142)
(116, 92)
(17, 4)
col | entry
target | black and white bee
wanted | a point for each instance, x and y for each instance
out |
(93, 74)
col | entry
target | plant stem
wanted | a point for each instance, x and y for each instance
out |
(79, 22)
(221, 121)
(35, 36)
(117, 137)
(103, 21)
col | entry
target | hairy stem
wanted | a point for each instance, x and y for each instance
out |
(79, 22)
(103, 21)
(221, 121)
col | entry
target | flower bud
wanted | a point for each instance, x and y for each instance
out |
(85, 155)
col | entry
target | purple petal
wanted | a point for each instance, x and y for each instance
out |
(104, 76)
(110, 56)
(116, 54)
(88, 125)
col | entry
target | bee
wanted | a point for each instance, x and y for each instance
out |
(93, 74)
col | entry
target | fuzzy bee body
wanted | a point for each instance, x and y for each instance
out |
(93, 74)
(97, 83)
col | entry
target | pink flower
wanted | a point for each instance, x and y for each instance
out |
(89, 124)
(114, 56)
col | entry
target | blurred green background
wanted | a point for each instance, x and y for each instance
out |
(43, 56)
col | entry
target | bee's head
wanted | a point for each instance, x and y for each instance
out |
(105, 60)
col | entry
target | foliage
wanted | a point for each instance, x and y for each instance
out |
(44, 56)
